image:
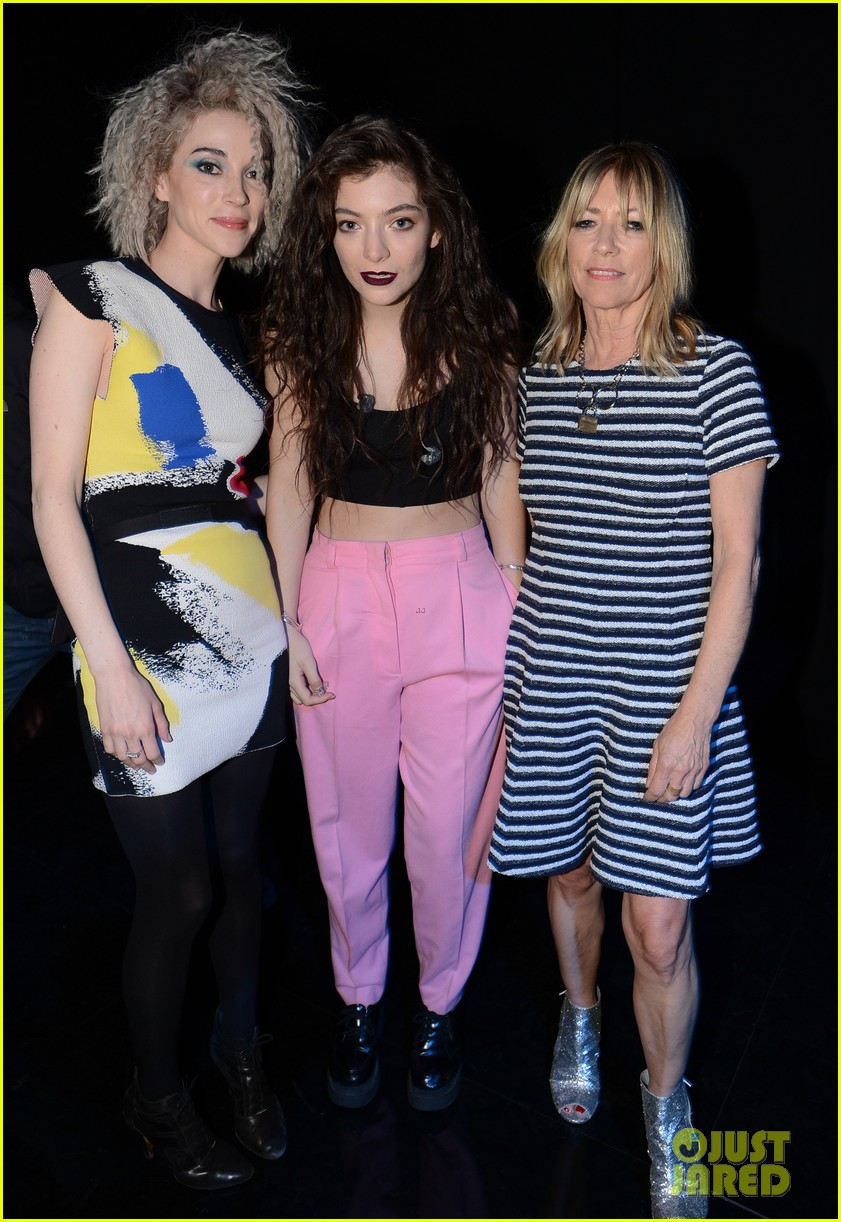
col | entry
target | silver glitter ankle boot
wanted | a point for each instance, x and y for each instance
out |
(670, 1195)
(574, 1077)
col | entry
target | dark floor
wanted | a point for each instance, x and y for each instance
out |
(763, 1057)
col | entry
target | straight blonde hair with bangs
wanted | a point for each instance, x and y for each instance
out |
(668, 331)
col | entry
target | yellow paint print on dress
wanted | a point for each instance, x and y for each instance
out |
(239, 562)
(118, 443)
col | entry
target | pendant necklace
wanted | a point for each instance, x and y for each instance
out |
(365, 402)
(601, 397)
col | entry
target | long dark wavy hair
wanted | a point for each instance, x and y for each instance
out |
(458, 331)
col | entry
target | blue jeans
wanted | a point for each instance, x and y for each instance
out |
(26, 648)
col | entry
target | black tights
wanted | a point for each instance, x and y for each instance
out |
(194, 856)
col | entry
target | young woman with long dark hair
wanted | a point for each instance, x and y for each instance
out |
(392, 357)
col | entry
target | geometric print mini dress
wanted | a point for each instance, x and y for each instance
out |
(184, 566)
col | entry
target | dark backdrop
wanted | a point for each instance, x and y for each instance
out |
(742, 98)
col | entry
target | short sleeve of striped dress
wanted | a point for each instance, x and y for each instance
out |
(609, 621)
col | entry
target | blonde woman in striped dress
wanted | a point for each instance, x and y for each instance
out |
(644, 444)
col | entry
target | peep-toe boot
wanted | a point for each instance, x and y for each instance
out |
(259, 1122)
(173, 1128)
(574, 1078)
(672, 1194)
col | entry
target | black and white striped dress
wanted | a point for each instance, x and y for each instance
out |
(609, 621)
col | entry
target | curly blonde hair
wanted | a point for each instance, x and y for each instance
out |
(246, 73)
(668, 330)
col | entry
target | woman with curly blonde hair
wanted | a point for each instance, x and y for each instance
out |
(238, 72)
(142, 414)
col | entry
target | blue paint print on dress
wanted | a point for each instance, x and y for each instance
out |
(170, 415)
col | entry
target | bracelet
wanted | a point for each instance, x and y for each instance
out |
(519, 568)
(287, 619)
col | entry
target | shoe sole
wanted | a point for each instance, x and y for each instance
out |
(423, 1099)
(185, 1179)
(354, 1096)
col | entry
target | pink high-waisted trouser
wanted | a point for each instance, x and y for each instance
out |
(411, 637)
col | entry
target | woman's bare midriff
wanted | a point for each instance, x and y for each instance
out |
(375, 523)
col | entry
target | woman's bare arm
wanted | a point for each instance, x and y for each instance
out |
(67, 361)
(288, 520)
(682, 749)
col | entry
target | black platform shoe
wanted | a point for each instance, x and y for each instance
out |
(353, 1072)
(172, 1127)
(434, 1062)
(259, 1122)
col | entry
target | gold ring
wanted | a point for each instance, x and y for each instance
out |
(672, 789)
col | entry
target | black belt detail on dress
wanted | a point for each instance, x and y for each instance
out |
(178, 515)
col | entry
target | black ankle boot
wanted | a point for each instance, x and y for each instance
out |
(434, 1062)
(172, 1127)
(353, 1073)
(259, 1122)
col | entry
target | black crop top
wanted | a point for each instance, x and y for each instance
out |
(392, 481)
